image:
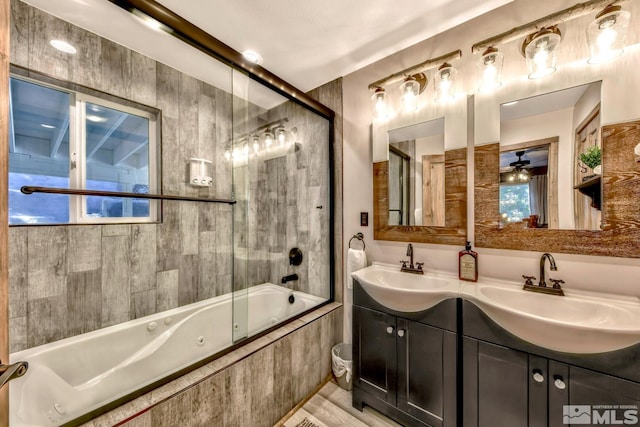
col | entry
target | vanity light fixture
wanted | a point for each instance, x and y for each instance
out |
(256, 143)
(607, 34)
(63, 46)
(410, 89)
(490, 69)
(281, 134)
(380, 109)
(445, 79)
(540, 49)
(268, 139)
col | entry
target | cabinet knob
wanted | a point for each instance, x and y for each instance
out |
(389, 330)
(537, 376)
(559, 382)
(400, 333)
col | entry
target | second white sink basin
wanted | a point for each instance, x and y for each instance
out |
(402, 291)
(571, 323)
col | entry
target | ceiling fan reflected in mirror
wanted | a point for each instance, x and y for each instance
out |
(519, 172)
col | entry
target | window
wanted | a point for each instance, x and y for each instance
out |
(61, 138)
(514, 202)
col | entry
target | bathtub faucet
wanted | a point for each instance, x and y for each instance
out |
(289, 278)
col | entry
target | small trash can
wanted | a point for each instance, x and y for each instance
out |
(342, 363)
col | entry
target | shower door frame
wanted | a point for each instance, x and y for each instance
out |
(4, 203)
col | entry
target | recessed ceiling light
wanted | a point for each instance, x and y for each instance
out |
(46, 126)
(252, 56)
(506, 104)
(96, 119)
(63, 46)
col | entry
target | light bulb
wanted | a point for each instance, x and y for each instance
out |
(540, 51)
(410, 90)
(282, 135)
(227, 155)
(380, 104)
(444, 83)
(491, 69)
(607, 34)
(256, 144)
(268, 139)
(245, 149)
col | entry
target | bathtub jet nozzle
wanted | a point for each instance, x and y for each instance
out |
(289, 278)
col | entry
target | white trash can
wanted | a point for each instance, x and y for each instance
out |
(342, 365)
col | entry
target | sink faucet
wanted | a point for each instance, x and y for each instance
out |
(552, 267)
(417, 269)
(556, 289)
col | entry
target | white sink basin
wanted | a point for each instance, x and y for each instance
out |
(572, 323)
(402, 291)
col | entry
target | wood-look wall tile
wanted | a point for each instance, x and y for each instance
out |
(206, 217)
(85, 65)
(143, 303)
(46, 320)
(168, 98)
(18, 334)
(115, 68)
(167, 289)
(188, 287)
(168, 235)
(116, 230)
(144, 420)
(143, 79)
(173, 412)
(84, 302)
(263, 411)
(224, 284)
(18, 267)
(19, 36)
(283, 397)
(142, 261)
(84, 247)
(46, 252)
(207, 402)
(189, 228)
(116, 291)
(42, 56)
(207, 287)
(237, 394)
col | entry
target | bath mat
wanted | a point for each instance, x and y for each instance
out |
(307, 423)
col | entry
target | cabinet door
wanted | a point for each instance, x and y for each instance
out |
(427, 373)
(374, 353)
(496, 385)
(606, 399)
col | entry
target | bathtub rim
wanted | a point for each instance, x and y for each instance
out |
(321, 309)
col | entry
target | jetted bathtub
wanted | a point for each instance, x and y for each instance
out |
(73, 376)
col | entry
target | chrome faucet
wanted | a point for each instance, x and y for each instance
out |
(417, 269)
(556, 289)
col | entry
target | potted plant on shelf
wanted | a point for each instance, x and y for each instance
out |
(592, 158)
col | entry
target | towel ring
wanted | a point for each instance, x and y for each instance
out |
(360, 237)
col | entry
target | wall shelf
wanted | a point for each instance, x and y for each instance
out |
(592, 188)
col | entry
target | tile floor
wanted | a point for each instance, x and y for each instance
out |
(331, 407)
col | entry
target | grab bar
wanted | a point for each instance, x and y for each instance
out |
(78, 192)
(11, 372)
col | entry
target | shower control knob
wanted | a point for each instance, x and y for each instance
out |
(400, 333)
(389, 330)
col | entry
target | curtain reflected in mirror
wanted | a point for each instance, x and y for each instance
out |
(417, 175)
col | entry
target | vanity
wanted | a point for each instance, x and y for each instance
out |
(435, 351)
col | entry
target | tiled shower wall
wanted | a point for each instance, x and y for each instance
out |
(67, 280)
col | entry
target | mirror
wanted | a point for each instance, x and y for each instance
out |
(416, 189)
(543, 182)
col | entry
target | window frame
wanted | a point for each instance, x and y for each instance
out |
(78, 149)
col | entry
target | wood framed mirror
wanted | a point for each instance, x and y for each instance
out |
(420, 176)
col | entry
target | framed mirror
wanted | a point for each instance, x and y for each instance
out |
(420, 176)
(558, 181)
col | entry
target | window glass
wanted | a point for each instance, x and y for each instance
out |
(111, 150)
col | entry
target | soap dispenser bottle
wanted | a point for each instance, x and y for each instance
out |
(468, 264)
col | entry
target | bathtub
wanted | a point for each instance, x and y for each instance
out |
(73, 376)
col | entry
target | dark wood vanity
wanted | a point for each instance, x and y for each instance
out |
(452, 365)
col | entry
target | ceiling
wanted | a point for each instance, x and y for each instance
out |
(306, 43)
